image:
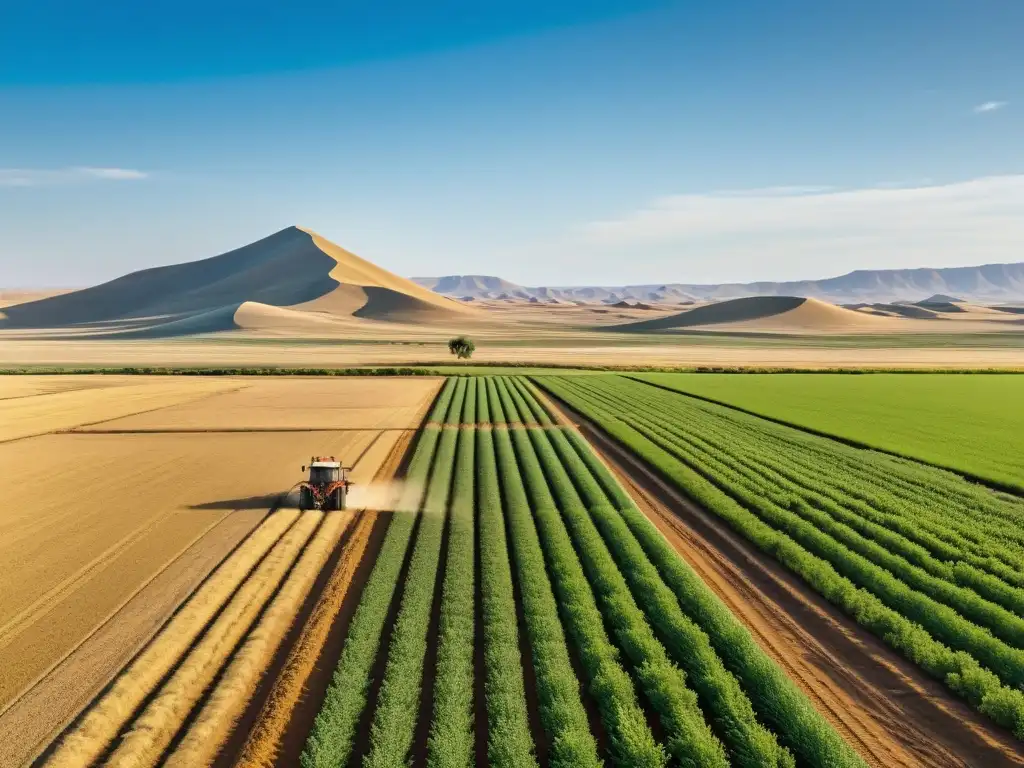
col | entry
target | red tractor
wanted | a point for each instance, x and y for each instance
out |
(327, 487)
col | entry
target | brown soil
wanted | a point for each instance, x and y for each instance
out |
(274, 730)
(882, 704)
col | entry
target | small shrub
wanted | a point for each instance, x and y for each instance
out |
(462, 347)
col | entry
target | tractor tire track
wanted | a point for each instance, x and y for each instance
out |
(274, 732)
(90, 736)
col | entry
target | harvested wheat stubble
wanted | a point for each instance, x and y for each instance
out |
(12, 387)
(298, 403)
(38, 717)
(152, 732)
(38, 640)
(38, 415)
(264, 740)
(213, 725)
(91, 736)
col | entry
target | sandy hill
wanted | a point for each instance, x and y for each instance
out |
(939, 298)
(913, 311)
(765, 313)
(294, 269)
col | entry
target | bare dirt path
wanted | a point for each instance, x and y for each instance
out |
(882, 704)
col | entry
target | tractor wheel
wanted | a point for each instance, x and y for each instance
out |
(305, 498)
(337, 502)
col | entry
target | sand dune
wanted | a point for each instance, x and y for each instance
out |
(293, 268)
(766, 313)
(9, 298)
(900, 310)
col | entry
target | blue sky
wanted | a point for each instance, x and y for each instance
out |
(550, 143)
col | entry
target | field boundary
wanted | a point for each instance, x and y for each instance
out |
(995, 485)
(222, 430)
(432, 369)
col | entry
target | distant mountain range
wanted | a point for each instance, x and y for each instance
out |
(988, 283)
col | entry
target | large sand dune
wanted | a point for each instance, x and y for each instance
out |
(766, 313)
(294, 268)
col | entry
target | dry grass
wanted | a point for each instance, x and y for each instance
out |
(101, 724)
(238, 682)
(151, 732)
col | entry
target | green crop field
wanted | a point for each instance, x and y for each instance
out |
(929, 562)
(971, 423)
(517, 563)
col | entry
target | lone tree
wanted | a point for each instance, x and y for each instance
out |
(462, 347)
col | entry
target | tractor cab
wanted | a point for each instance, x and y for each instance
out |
(321, 472)
(327, 487)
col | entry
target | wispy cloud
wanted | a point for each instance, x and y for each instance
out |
(990, 106)
(790, 191)
(712, 237)
(43, 177)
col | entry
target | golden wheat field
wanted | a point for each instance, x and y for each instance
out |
(151, 564)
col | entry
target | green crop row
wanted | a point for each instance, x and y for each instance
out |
(631, 740)
(443, 402)
(929, 517)
(879, 603)
(509, 743)
(960, 422)
(395, 718)
(688, 737)
(748, 742)
(911, 564)
(451, 742)
(878, 514)
(774, 696)
(331, 739)
(932, 507)
(497, 410)
(562, 715)
(939, 606)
